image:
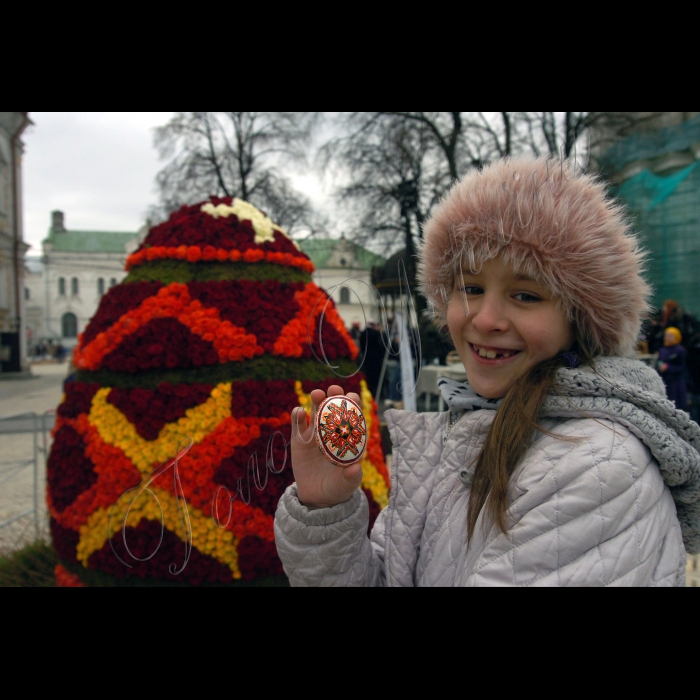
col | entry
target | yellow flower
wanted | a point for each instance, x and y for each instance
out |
(115, 429)
(219, 544)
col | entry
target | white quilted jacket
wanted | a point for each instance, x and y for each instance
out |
(596, 511)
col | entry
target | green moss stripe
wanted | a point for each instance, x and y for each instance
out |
(260, 369)
(169, 271)
(98, 579)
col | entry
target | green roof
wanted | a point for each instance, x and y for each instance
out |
(321, 249)
(89, 241)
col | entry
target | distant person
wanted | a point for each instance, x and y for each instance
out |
(693, 348)
(356, 333)
(71, 377)
(371, 343)
(672, 368)
(395, 399)
(675, 317)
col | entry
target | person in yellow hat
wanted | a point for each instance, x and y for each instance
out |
(672, 367)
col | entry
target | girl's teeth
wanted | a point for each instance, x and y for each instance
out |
(491, 355)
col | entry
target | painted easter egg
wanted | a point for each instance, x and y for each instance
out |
(170, 449)
(341, 431)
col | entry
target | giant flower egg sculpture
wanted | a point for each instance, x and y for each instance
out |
(203, 352)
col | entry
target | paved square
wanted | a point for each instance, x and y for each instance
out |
(37, 395)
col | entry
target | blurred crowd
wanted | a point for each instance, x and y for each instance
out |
(383, 365)
(49, 350)
(672, 337)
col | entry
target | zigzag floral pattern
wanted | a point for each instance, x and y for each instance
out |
(173, 302)
(230, 342)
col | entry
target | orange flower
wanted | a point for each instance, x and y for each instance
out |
(295, 336)
(193, 254)
(253, 256)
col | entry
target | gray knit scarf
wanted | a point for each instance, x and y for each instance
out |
(460, 397)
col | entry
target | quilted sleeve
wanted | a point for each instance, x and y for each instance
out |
(329, 548)
(594, 512)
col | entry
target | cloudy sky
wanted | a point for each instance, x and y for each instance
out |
(99, 168)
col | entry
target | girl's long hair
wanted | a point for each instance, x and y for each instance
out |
(511, 435)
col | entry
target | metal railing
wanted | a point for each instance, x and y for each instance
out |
(37, 425)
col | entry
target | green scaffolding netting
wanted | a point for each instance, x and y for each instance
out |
(651, 145)
(659, 188)
(666, 213)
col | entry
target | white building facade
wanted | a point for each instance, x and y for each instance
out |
(64, 287)
(344, 269)
(12, 246)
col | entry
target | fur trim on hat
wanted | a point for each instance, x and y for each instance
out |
(551, 224)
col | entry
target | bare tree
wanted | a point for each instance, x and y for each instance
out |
(571, 134)
(465, 139)
(236, 154)
(397, 165)
(393, 173)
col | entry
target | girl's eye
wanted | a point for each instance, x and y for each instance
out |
(472, 290)
(527, 298)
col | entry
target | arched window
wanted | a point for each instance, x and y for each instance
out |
(27, 294)
(61, 287)
(344, 295)
(69, 325)
(112, 283)
(100, 286)
(75, 287)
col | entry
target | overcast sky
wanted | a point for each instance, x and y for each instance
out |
(98, 168)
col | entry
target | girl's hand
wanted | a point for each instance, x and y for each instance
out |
(320, 484)
(663, 368)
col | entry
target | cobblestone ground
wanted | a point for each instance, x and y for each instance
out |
(37, 395)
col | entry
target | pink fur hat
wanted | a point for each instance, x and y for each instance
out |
(550, 223)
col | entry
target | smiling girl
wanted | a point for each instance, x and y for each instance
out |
(560, 461)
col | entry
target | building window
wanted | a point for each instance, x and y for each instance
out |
(75, 287)
(112, 283)
(344, 295)
(69, 326)
(4, 284)
(100, 286)
(4, 186)
(61, 287)
(27, 294)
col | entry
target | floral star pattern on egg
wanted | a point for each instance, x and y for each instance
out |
(342, 431)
